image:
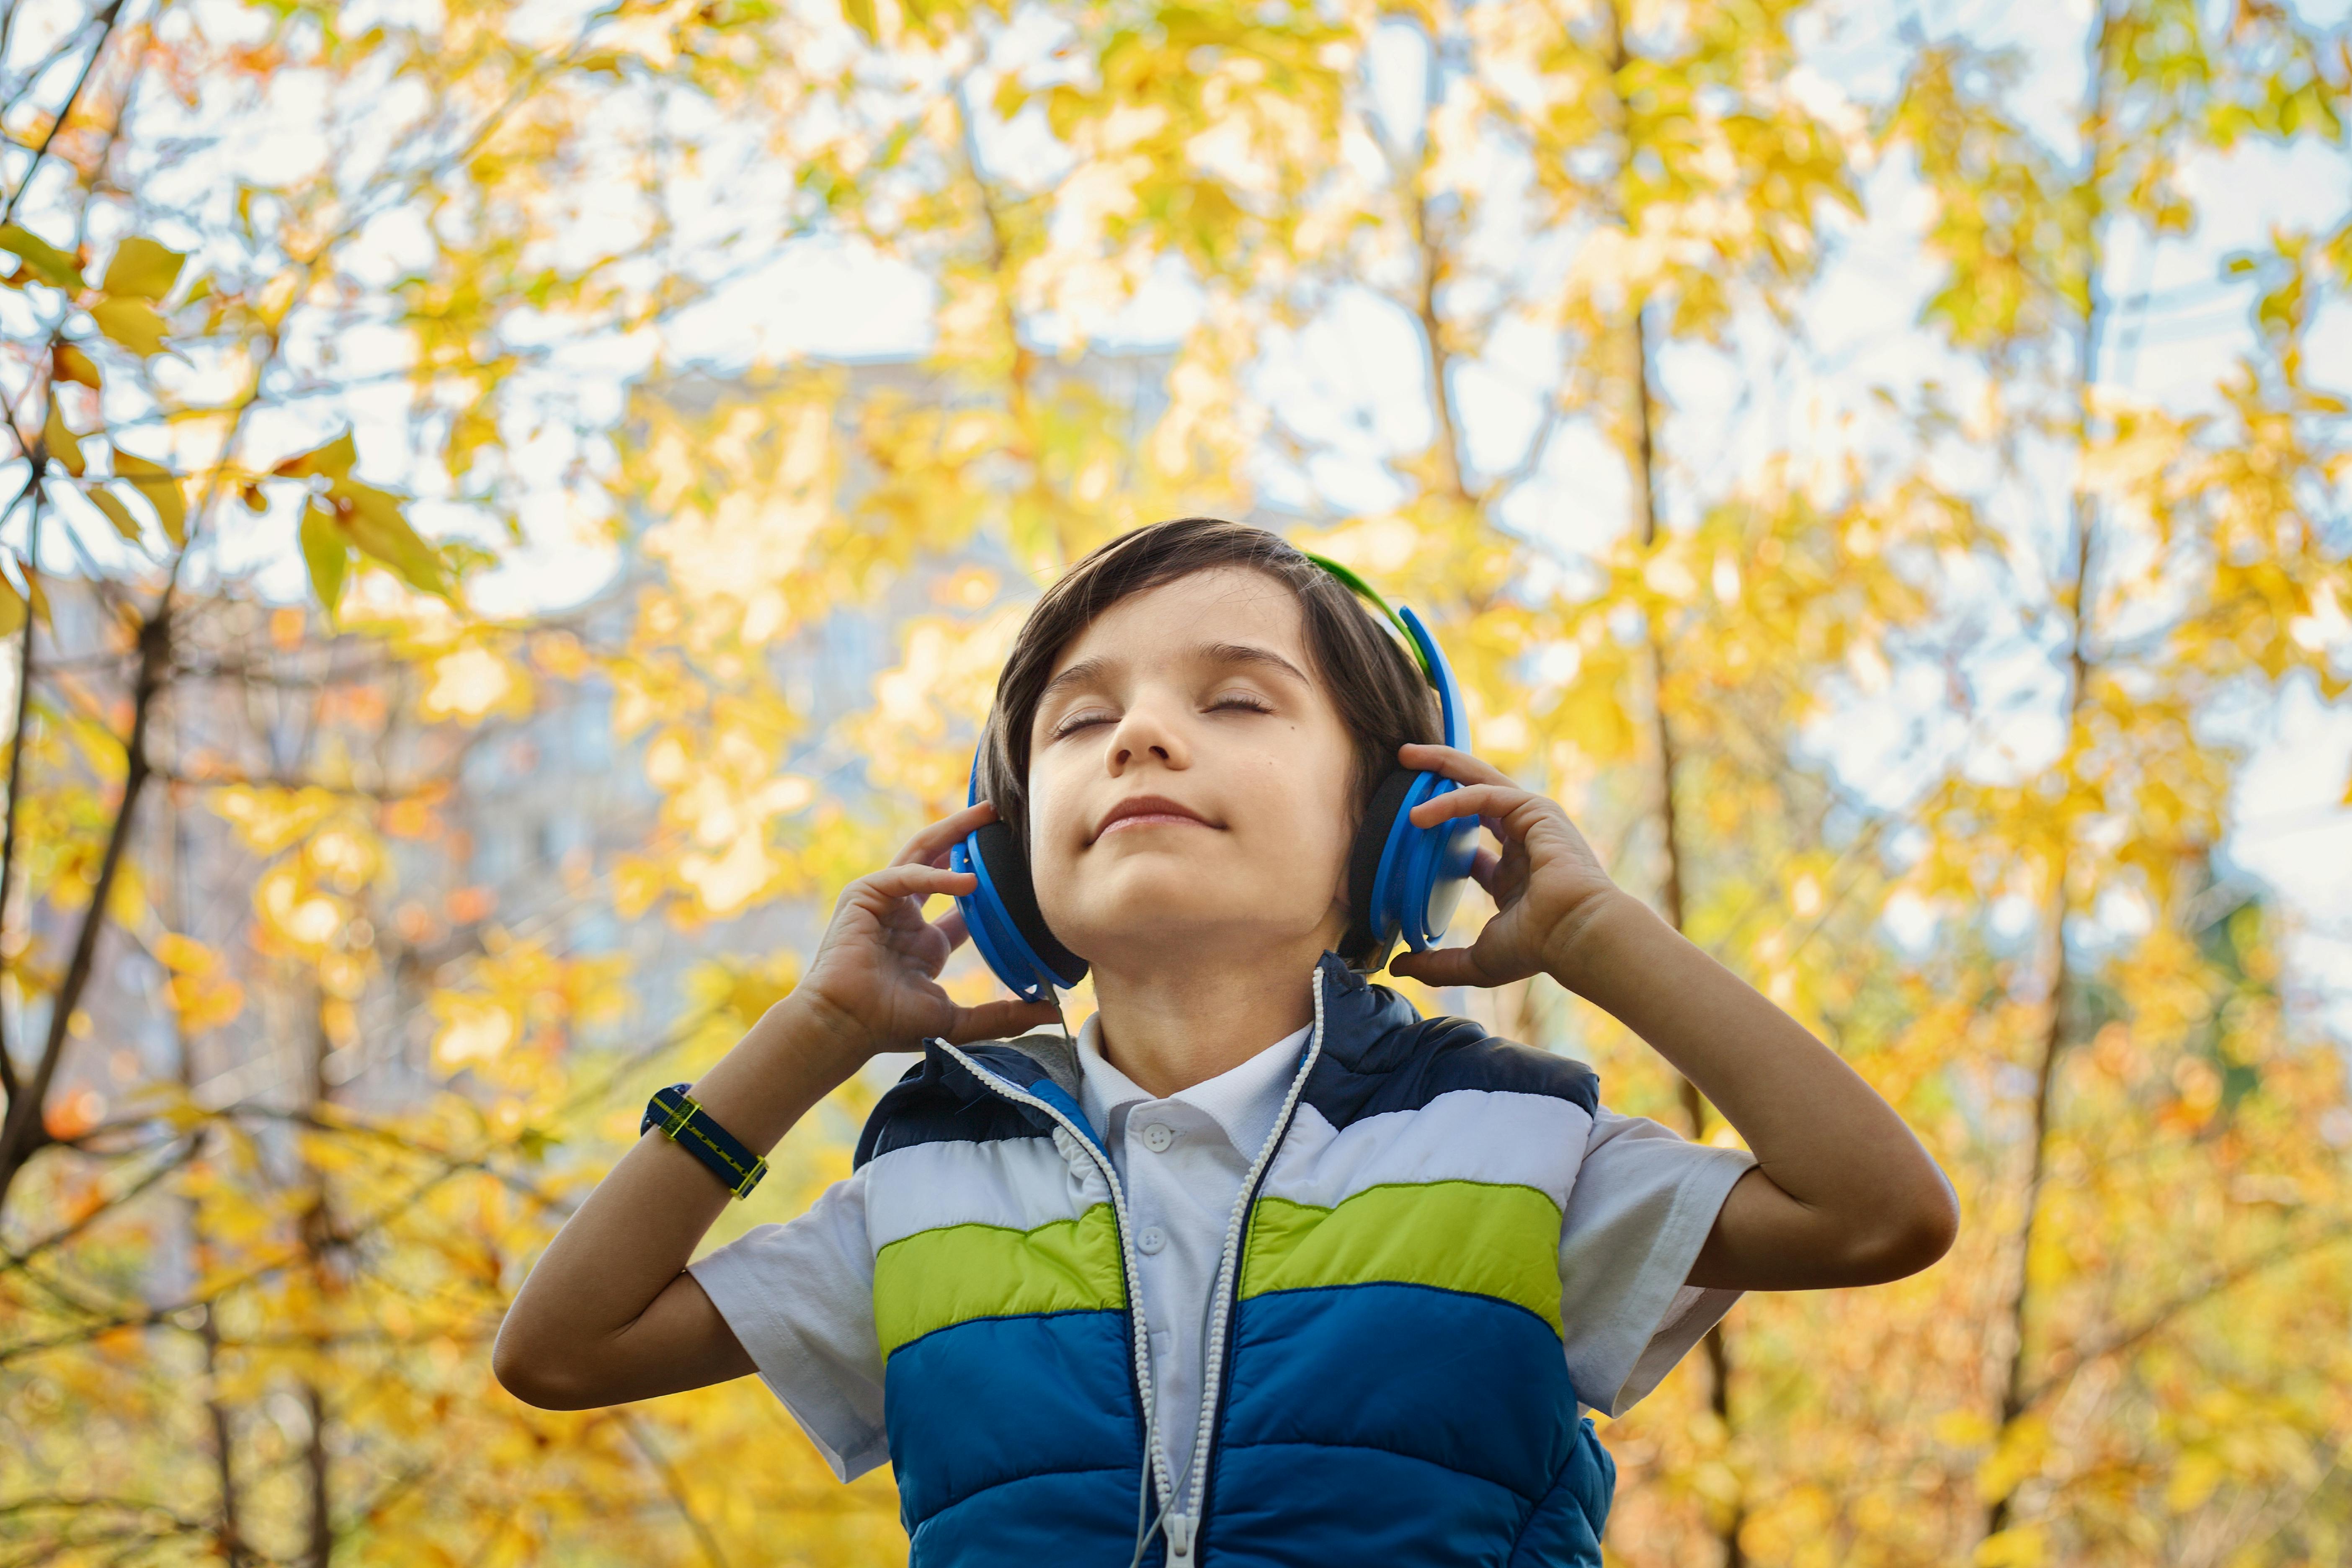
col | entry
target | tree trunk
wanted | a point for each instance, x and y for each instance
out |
(2015, 1400)
(320, 1546)
(18, 725)
(319, 1241)
(25, 1133)
(1671, 882)
(228, 1534)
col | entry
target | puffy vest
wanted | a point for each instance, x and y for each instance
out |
(1384, 1381)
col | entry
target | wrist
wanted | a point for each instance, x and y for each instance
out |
(823, 1035)
(1578, 954)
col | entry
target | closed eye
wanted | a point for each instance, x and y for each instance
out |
(1072, 723)
(1241, 699)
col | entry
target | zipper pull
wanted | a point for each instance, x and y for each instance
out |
(1179, 1529)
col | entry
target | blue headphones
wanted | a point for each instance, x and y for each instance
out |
(1402, 880)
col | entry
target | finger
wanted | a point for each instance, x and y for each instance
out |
(1459, 765)
(913, 882)
(1482, 867)
(998, 1021)
(1442, 966)
(941, 835)
(951, 926)
(1494, 801)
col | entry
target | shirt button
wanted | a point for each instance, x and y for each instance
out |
(1150, 1239)
(1157, 1137)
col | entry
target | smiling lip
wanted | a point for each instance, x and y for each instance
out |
(1146, 809)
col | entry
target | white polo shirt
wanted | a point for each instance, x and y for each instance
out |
(1183, 1161)
(800, 1295)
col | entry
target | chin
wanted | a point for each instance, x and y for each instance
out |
(1148, 911)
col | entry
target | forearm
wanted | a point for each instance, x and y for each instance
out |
(628, 1242)
(1854, 1195)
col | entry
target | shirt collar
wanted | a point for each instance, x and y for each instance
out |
(1245, 1100)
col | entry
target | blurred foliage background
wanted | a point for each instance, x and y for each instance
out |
(509, 505)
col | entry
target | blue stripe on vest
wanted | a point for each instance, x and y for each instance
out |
(990, 1401)
(1468, 1386)
(1084, 1519)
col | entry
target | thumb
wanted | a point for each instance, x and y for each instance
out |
(1441, 966)
(998, 1020)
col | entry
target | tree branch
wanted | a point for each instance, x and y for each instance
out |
(106, 19)
(25, 1134)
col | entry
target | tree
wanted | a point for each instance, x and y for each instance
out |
(390, 906)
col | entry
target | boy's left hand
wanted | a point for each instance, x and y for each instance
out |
(1547, 883)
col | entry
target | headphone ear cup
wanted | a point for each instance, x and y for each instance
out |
(1008, 874)
(1370, 933)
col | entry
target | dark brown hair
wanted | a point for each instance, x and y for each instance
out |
(1378, 689)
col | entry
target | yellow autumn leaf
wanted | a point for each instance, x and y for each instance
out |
(268, 819)
(64, 445)
(472, 1030)
(161, 490)
(41, 258)
(326, 553)
(132, 322)
(143, 269)
(116, 512)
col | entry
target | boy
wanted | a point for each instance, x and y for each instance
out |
(1265, 1268)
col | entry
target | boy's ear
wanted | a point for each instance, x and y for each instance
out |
(1362, 948)
(1008, 872)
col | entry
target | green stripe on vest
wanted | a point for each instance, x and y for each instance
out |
(1479, 1237)
(959, 1272)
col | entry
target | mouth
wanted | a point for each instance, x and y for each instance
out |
(1149, 811)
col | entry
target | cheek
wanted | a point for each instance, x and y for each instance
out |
(1055, 828)
(1302, 838)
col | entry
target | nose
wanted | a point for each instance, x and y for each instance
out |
(1146, 733)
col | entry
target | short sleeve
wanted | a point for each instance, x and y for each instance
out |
(800, 1297)
(1643, 1203)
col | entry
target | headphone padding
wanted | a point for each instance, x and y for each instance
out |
(1008, 870)
(1359, 946)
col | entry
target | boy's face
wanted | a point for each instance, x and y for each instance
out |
(1188, 779)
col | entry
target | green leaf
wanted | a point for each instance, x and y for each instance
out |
(135, 324)
(63, 444)
(533, 1143)
(161, 490)
(371, 519)
(331, 461)
(44, 260)
(859, 14)
(116, 512)
(326, 552)
(143, 269)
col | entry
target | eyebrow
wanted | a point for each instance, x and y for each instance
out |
(1089, 669)
(1249, 652)
(1078, 674)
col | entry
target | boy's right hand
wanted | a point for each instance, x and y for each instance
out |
(874, 985)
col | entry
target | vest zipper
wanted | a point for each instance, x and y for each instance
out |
(1138, 1343)
(1177, 1527)
(1221, 1319)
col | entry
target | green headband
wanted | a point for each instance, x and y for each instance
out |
(1364, 589)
